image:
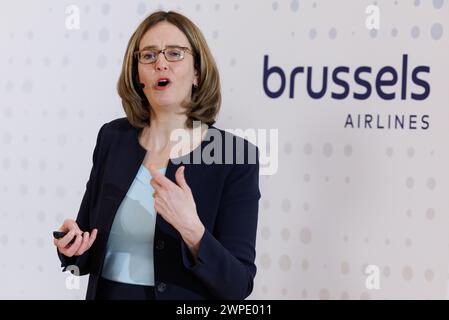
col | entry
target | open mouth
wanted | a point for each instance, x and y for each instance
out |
(161, 83)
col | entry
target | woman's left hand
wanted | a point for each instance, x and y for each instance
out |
(175, 203)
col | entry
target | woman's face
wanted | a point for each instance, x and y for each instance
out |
(181, 74)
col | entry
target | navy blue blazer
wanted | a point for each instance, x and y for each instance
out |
(226, 197)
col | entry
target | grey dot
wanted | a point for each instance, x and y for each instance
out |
(4, 239)
(60, 165)
(284, 262)
(366, 240)
(6, 163)
(365, 296)
(305, 235)
(9, 86)
(314, 5)
(410, 182)
(408, 242)
(47, 61)
(215, 34)
(324, 294)
(294, 5)
(62, 113)
(287, 148)
(40, 242)
(27, 86)
(217, 7)
(387, 271)
(407, 273)
(387, 241)
(266, 204)
(105, 8)
(285, 205)
(332, 33)
(304, 293)
(6, 138)
(394, 32)
(141, 8)
(274, 6)
(437, 4)
(81, 114)
(284, 291)
(85, 35)
(103, 35)
(101, 62)
(415, 32)
(233, 61)
(30, 35)
(198, 7)
(417, 3)
(410, 152)
(327, 150)
(307, 149)
(42, 165)
(430, 213)
(23, 189)
(266, 233)
(62, 139)
(344, 268)
(60, 192)
(306, 206)
(436, 31)
(87, 9)
(285, 234)
(40, 268)
(347, 180)
(24, 164)
(409, 213)
(236, 6)
(431, 183)
(265, 261)
(41, 191)
(41, 216)
(429, 275)
(29, 61)
(312, 33)
(327, 179)
(373, 33)
(306, 177)
(345, 238)
(304, 264)
(347, 150)
(8, 112)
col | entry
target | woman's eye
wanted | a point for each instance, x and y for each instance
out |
(174, 53)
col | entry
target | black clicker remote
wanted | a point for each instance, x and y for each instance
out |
(59, 234)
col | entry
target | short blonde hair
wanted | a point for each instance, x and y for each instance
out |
(206, 98)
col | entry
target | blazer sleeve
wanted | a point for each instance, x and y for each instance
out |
(226, 256)
(82, 262)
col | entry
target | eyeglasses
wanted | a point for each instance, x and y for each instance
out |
(172, 54)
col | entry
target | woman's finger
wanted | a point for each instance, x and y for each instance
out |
(84, 244)
(64, 241)
(74, 247)
(92, 238)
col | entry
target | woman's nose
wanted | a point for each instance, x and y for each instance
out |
(161, 63)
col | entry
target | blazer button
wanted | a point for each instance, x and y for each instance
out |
(161, 287)
(160, 244)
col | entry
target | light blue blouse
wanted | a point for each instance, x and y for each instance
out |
(129, 251)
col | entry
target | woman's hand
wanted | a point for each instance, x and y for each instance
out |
(175, 203)
(82, 242)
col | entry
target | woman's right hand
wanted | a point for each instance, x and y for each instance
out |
(82, 242)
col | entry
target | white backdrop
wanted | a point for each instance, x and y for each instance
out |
(341, 199)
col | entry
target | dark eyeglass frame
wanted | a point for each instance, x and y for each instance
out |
(158, 52)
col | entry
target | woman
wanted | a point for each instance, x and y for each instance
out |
(153, 223)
